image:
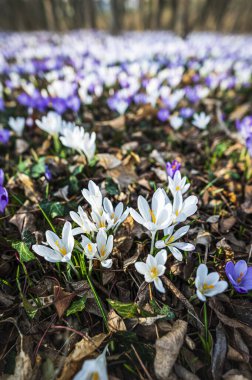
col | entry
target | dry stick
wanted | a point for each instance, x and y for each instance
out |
(233, 136)
(141, 363)
(183, 299)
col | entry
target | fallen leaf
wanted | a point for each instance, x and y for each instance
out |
(62, 300)
(115, 322)
(83, 349)
(168, 348)
(219, 353)
(227, 223)
(108, 161)
(24, 218)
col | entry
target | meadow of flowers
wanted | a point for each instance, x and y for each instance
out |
(125, 206)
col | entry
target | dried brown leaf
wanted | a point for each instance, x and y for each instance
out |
(168, 348)
(115, 322)
(108, 161)
(219, 353)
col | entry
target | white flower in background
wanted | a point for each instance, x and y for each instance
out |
(182, 209)
(82, 220)
(171, 242)
(104, 246)
(73, 138)
(178, 184)
(208, 285)
(176, 122)
(116, 216)
(94, 369)
(101, 220)
(201, 120)
(158, 217)
(89, 145)
(51, 123)
(61, 249)
(153, 269)
(60, 89)
(93, 196)
(17, 125)
(90, 249)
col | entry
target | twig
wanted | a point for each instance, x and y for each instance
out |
(141, 363)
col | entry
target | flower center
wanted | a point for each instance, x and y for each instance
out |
(177, 188)
(154, 272)
(177, 212)
(102, 224)
(206, 287)
(102, 251)
(95, 376)
(239, 279)
(170, 240)
(153, 218)
(89, 246)
(61, 249)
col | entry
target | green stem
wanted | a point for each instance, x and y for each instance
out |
(46, 217)
(74, 269)
(56, 143)
(205, 320)
(98, 301)
(152, 242)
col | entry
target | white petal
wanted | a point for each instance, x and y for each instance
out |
(141, 267)
(160, 244)
(144, 208)
(161, 257)
(184, 246)
(202, 272)
(176, 253)
(137, 217)
(201, 296)
(107, 263)
(159, 285)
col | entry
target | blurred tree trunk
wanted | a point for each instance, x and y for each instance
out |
(91, 13)
(117, 11)
(49, 15)
(174, 15)
(160, 9)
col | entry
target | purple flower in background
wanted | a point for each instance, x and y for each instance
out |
(48, 173)
(239, 275)
(4, 198)
(4, 136)
(172, 168)
(186, 112)
(163, 114)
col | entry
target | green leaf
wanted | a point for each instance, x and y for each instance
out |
(24, 253)
(76, 306)
(125, 310)
(30, 310)
(53, 209)
(39, 168)
(111, 187)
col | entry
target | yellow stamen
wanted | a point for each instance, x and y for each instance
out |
(102, 224)
(176, 213)
(153, 218)
(239, 279)
(171, 240)
(207, 287)
(61, 249)
(154, 272)
(177, 188)
(89, 246)
(102, 251)
(95, 376)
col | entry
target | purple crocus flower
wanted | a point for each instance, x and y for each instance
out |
(172, 168)
(186, 112)
(48, 173)
(163, 114)
(4, 136)
(239, 275)
(4, 198)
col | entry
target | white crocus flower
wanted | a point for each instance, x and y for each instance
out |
(89, 145)
(94, 369)
(90, 249)
(104, 246)
(171, 242)
(201, 120)
(208, 285)
(158, 217)
(51, 123)
(182, 209)
(61, 249)
(101, 220)
(176, 122)
(82, 220)
(178, 184)
(73, 138)
(93, 196)
(153, 269)
(116, 215)
(17, 125)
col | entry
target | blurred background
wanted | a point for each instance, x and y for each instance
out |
(181, 16)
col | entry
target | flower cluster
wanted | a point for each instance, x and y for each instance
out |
(244, 126)
(4, 198)
(72, 136)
